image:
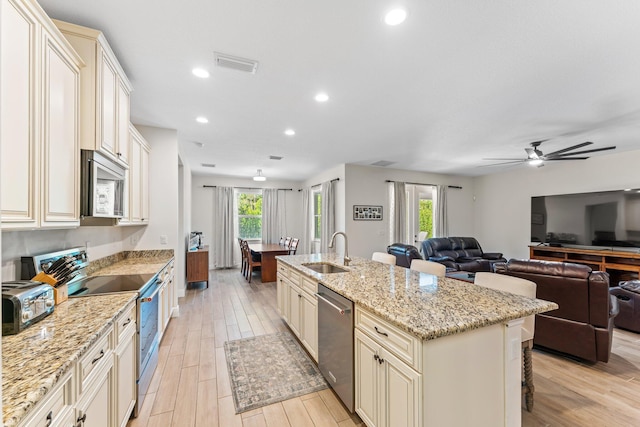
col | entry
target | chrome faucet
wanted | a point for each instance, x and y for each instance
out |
(347, 260)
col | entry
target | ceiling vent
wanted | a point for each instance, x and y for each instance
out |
(275, 157)
(382, 163)
(208, 165)
(236, 63)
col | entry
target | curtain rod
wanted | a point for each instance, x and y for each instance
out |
(250, 188)
(318, 185)
(433, 185)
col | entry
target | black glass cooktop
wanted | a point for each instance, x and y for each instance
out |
(96, 285)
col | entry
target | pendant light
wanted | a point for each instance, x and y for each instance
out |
(259, 176)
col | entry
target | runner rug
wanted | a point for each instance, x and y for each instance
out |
(269, 368)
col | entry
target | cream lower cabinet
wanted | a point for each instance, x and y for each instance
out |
(388, 392)
(39, 140)
(298, 306)
(166, 297)
(124, 396)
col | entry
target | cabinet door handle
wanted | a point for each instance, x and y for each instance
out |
(94, 361)
(127, 322)
(81, 420)
(380, 360)
(381, 333)
(49, 418)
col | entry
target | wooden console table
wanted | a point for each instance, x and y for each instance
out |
(620, 265)
(198, 265)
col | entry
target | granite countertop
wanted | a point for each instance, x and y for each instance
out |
(421, 304)
(36, 358)
(131, 262)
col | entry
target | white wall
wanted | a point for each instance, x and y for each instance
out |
(202, 203)
(365, 185)
(502, 206)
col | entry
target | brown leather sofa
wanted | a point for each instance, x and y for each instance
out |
(460, 253)
(628, 296)
(582, 326)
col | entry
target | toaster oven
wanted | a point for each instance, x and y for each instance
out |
(25, 303)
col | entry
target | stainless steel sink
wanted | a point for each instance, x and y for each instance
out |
(324, 268)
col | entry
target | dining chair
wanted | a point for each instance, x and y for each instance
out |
(527, 288)
(294, 246)
(430, 267)
(384, 258)
(287, 241)
(252, 262)
(281, 242)
(243, 265)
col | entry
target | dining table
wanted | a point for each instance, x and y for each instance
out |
(268, 253)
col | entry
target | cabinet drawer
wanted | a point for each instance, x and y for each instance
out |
(283, 270)
(309, 285)
(52, 409)
(404, 345)
(97, 354)
(125, 319)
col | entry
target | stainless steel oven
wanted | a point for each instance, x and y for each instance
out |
(148, 339)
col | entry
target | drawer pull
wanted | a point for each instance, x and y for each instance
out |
(381, 333)
(98, 358)
(127, 322)
(49, 418)
(81, 420)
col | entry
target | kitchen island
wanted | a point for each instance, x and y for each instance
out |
(450, 350)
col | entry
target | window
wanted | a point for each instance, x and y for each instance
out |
(425, 213)
(249, 215)
(317, 209)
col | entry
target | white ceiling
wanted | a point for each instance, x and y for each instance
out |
(458, 81)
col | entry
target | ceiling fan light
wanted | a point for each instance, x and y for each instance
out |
(536, 162)
(259, 176)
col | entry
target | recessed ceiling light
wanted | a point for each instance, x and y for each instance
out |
(627, 189)
(202, 119)
(322, 97)
(290, 132)
(200, 72)
(395, 16)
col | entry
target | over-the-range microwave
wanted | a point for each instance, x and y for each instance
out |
(102, 186)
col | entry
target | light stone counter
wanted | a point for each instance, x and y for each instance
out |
(36, 358)
(131, 262)
(422, 304)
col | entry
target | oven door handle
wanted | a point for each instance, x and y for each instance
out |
(150, 298)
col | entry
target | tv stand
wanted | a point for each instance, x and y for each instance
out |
(620, 265)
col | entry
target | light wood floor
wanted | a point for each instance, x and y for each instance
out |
(191, 384)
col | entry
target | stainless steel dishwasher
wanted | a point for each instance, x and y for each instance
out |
(335, 343)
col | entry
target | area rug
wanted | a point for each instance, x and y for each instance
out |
(269, 368)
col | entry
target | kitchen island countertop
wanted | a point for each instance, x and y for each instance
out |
(36, 358)
(422, 304)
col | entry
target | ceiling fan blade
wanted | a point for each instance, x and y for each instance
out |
(566, 158)
(573, 147)
(587, 151)
(503, 158)
(512, 162)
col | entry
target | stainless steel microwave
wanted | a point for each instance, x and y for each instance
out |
(102, 186)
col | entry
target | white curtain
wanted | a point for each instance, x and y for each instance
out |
(274, 215)
(224, 240)
(441, 226)
(327, 215)
(398, 213)
(304, 246)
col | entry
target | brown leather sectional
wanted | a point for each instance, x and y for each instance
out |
(582, 326)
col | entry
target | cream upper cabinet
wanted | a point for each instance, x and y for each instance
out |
(104, 95)
(39, 139)
(138, 179)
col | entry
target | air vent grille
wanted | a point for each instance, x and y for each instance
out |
(208, 165)
(236, 63)
(382, 163)
(275, 157)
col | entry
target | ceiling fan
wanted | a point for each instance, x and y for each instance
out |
(535, 157)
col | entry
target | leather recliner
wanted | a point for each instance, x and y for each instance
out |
(460, 253)
(628, 296)
(404, 253)
(582, 326)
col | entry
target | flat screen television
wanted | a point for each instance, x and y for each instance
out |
(605, 219)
